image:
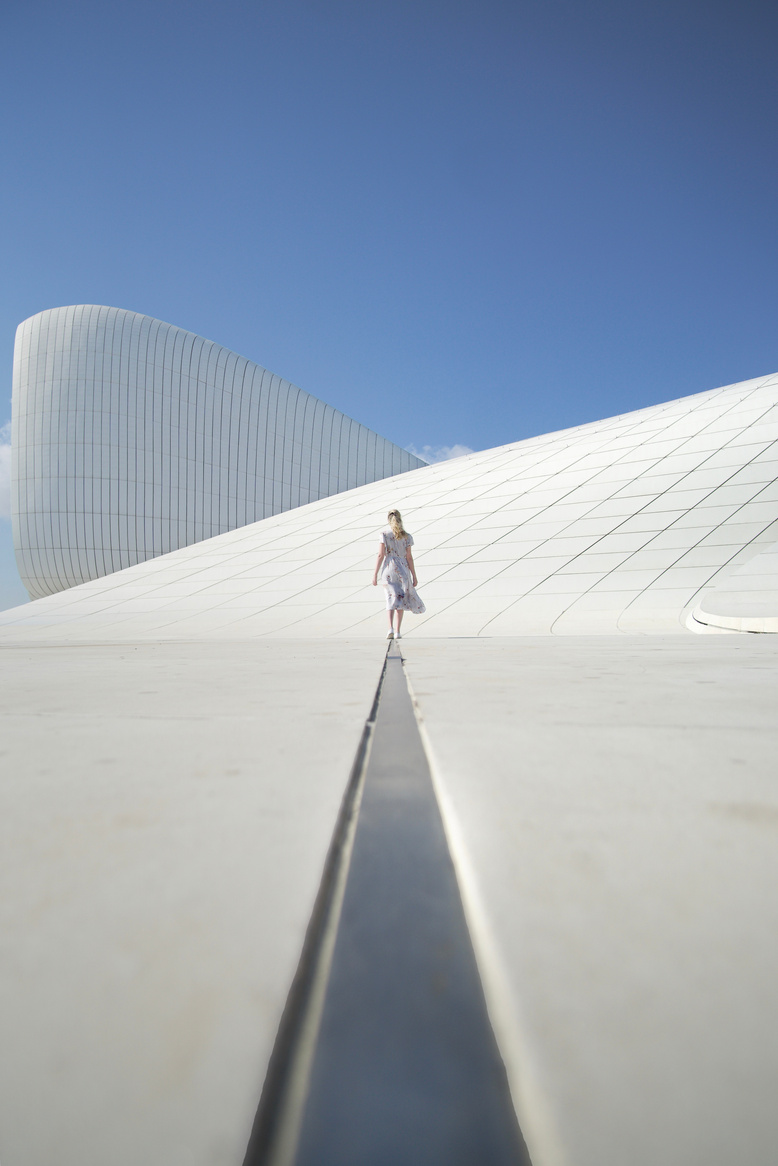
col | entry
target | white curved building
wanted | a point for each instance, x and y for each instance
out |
(631, 524)
(132, 438)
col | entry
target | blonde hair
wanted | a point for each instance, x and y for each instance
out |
(396, 523)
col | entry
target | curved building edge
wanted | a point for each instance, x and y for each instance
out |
(662, 520)
(133, 438)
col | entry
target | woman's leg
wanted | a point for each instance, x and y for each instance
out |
(400, 615)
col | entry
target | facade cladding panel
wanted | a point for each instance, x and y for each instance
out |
(133, 438)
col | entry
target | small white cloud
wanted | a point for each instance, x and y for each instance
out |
(440, 453)
(5, 470)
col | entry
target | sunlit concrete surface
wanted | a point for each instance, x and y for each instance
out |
(132, 437)
(165, 814)
(622, 525)
(614, 806)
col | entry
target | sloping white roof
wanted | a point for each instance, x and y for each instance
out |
(621, 525)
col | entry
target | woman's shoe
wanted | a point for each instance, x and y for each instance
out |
(390, 635)
(398, 635)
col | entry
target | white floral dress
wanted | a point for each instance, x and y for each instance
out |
(395, 575)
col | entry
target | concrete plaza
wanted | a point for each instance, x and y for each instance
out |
(611, 806)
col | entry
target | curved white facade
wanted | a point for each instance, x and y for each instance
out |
(132, 438)
(630, 524)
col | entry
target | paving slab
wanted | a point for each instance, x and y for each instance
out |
(613, 809)
(165, 813)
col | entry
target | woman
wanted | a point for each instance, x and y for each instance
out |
(398, 574)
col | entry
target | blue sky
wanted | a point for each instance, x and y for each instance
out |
(462, 223)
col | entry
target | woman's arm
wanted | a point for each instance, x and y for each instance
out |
(409, 561)
(378, 562)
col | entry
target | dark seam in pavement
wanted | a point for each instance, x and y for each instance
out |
(385, 1053)
(273, 1106)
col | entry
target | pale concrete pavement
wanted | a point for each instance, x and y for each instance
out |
(614, 805)
(165, 814)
